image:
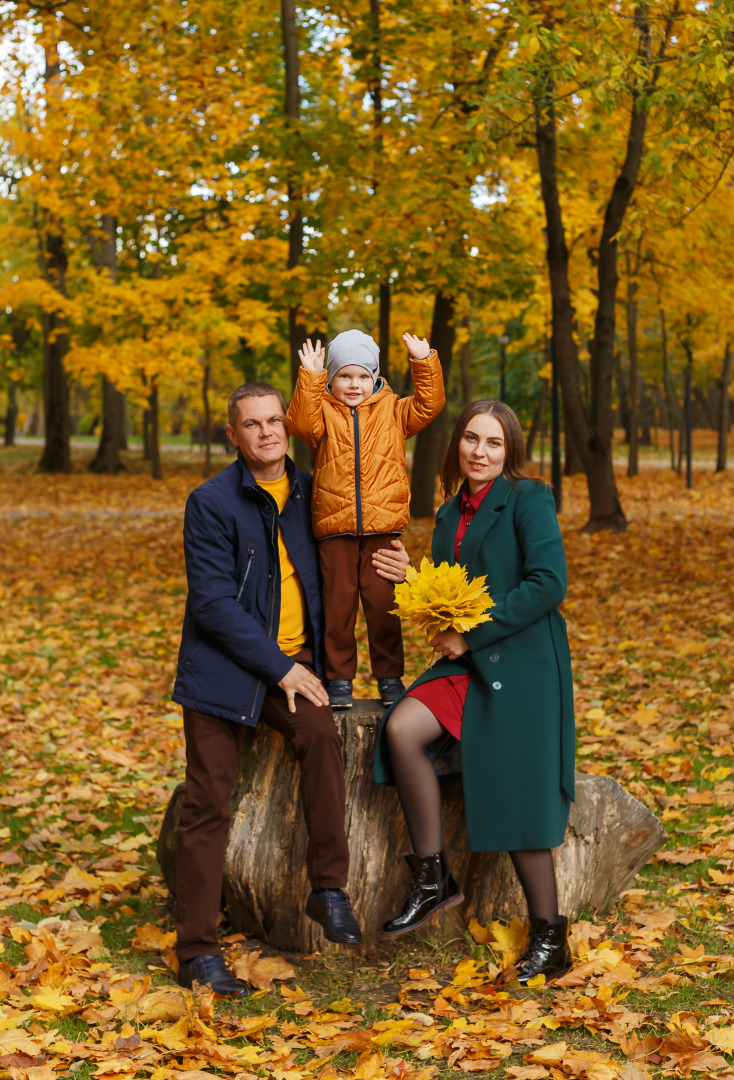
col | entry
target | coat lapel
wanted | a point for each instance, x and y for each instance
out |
(486, 517)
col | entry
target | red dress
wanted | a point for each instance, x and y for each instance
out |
(445, 697)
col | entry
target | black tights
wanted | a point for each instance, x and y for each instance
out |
(412, 727)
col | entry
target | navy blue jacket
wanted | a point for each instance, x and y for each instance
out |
(229, 655)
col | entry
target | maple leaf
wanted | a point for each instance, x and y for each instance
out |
(260, 972)
(438, 598)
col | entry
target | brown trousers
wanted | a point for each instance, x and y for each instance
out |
(212, 752)
(348, 573)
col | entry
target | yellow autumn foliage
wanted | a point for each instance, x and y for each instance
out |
(438, 598)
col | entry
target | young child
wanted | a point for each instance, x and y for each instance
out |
(357, 428)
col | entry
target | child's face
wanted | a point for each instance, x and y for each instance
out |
(352, 384)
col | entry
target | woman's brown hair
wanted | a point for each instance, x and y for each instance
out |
(514, 468)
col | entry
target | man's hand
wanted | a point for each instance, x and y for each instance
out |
(391, 564)
(417, 347)
(299, 680)
(312, 357)
(449, 643)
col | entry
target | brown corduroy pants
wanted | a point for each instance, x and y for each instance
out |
(212, 752)
(348, 574)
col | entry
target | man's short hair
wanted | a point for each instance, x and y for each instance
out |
(252, 389)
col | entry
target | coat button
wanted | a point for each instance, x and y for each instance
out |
(494, 657)
(242, 718)
(496, 685)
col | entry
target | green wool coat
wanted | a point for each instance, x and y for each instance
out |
(517, 737)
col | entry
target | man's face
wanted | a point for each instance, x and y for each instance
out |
(259, 432)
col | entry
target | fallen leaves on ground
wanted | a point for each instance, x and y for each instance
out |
(92, 593)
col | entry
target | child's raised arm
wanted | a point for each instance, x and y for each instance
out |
(428, 396)
(417, 347)
(312, 358)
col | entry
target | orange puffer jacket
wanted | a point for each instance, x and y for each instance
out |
(360, 483)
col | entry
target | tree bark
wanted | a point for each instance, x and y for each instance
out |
(56, 456)
(466, 387)
(155, 447)
(292, 111)
(632, 462)
(724, 424)
(537, 421)
(207, 421)
(573, 463)
(112, 438)
(610, 835)
(605, 509)
(431, 442)
(11, 415)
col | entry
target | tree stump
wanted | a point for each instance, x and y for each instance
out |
(610, 835)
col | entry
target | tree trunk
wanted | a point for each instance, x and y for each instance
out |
(610, 836)
(537, 421)
(466, 387)
(107, 458)
(431, 442)
(155, 448)
(112, 438)
(632, 462)
(292, 111)
(573, 463)
(56, 456)
(384, 331)
(207, 421)
(11, 414)
(647, 415)
(605, 509)
(723, 426)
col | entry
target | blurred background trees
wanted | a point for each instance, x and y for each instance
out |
(191, 188)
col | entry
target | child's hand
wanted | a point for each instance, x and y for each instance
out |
(312, 358)
(417, 347)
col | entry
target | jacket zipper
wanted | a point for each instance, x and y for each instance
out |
(357, 490)
(274, 546)
(250, 557)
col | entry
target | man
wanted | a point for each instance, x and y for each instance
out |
(251, 649)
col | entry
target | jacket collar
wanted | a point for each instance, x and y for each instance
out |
(249, 481)
(485, 518)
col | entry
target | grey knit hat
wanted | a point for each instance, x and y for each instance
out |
(353, 347)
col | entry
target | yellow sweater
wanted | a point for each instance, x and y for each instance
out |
(292, 628)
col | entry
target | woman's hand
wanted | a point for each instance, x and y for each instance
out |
(417, 347)
(391, 564)
(312, 358)
(449, 643)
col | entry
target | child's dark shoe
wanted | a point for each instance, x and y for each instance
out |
(390, 690)
(340, 693)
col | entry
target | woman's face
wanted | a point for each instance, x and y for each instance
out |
(482, 450)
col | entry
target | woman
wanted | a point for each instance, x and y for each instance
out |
(504, 689)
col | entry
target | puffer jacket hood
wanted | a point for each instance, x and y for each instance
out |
(360, 480)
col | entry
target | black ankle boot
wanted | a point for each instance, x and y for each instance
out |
(431, 887)
(547, 952)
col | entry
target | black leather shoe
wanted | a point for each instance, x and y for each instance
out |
(340, 693)
(546, 953)
(333, 910)
(390, 690)
(432, 887)
(211, 971)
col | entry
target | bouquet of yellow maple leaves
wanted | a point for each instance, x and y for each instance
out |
(437, 598)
